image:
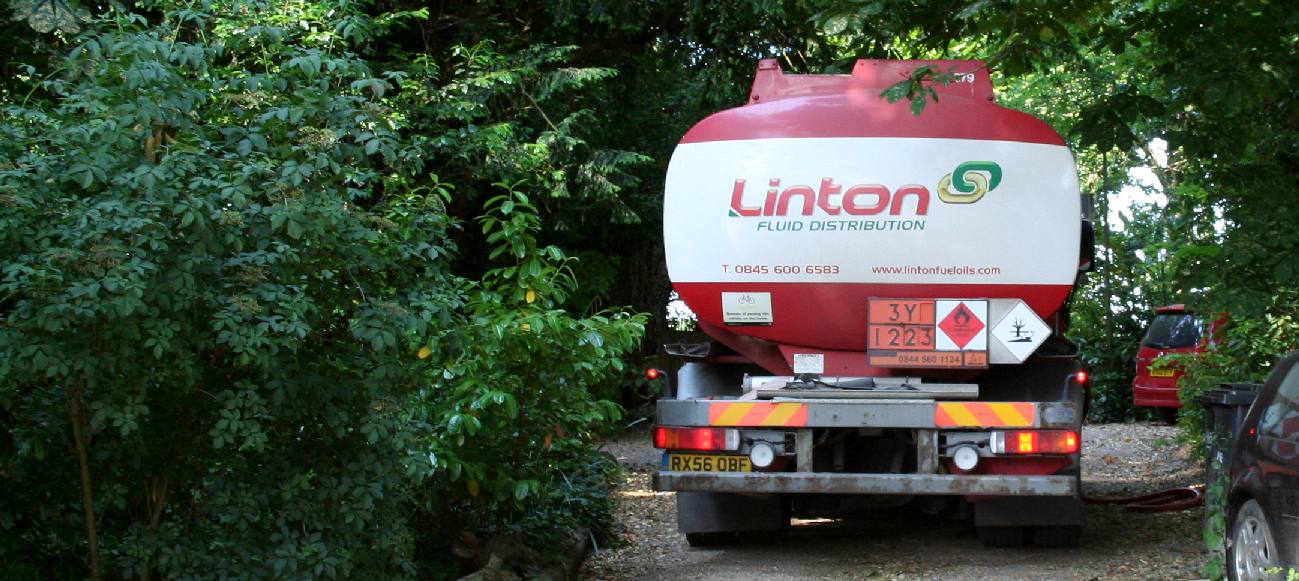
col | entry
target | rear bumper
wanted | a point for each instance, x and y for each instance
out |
(838, 483)
(1155, 396)
(900, 413)
(930, 421)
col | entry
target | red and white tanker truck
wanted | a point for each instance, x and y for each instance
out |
(885, 296)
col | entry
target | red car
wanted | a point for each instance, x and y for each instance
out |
(1173, 330)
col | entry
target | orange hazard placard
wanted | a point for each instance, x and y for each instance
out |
(757, 414)
(927, 333)
(901, 325)
(928, 358)
(901, 312)
(901, 337)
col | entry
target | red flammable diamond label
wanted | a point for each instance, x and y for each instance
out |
(961, 325)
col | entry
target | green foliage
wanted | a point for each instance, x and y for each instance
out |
(1108, 125)
(219, 225)
(511, 409)
(518, 374)
(1221, 241)
(1249, 346)
(575, 498)
(918, 88)
(1216, 511)
(249, 235)
(208, 249)
(1106, 340)
(50, 15)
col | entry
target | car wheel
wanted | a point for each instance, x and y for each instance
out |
(1252, 554)
(1168, 416)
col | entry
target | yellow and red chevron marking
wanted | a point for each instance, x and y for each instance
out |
(985, 415)
(757, 414)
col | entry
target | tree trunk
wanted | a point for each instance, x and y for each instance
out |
(644, 285)
(1106, 288)
(77, 414)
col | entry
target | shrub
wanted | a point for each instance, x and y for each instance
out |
(232, 343)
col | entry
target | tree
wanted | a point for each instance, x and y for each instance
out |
(227, 274)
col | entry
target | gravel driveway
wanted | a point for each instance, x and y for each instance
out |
(1118, 460)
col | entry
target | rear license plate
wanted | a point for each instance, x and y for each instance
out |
(708, 463)
(1163, 372)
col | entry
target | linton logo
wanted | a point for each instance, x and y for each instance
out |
(971, 180)
(966, 185)
(831, 198)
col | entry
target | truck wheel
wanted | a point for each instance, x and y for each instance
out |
(1002, 536)
(710, 540)
(724, 515)
(1058, 537)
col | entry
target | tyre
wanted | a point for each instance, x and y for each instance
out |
(1061, 537)
(1002, 536)
(710, 540)
(1168, 416)
(1252, 554)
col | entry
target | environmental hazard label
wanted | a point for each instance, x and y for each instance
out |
(1021, 331)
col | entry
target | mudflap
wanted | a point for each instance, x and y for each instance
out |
(1028, 511)
(1015, 521)
(715, 512)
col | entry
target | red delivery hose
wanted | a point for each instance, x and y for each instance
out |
(1162, 501)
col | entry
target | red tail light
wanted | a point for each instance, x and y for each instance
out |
(696, 438)
(1082, 377)
(652, 374)
(1035, 442)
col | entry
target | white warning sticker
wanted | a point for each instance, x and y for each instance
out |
(809, 363)
(747, 309)
(1021, 331)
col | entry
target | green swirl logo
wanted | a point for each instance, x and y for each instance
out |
(969, 182)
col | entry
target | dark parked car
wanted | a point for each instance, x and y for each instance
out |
(1264, 494)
